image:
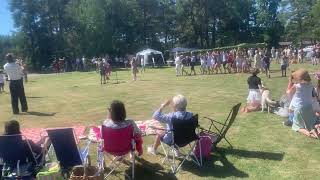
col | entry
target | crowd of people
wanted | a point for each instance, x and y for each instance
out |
(243, 60)
(300, 103)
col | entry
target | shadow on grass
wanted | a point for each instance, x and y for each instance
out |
(219, 166)
(34, 97)
(33, 113)
(145, 170)
(252, 154)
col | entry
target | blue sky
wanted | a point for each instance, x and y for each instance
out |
(6, 20)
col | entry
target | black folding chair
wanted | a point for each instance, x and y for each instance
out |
(220, 134)
(17, 157)
(66, 149)
(183, 134)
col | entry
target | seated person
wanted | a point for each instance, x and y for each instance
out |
(304, 119)
(12, 127)
(254, 97)
(179, 105)
(117, 120)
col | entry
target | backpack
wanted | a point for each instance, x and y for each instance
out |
(206, 145)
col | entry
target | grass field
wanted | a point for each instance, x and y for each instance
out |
(263, 147)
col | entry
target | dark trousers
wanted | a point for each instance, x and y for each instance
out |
(17, 92)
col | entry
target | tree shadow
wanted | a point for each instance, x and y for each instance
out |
(145, 169)
(33, 113)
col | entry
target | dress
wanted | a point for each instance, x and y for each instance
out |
(301, 104)
(134, 67)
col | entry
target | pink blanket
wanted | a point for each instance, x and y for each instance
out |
(35, 134)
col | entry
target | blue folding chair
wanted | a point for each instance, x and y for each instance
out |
(17, 157)
(66, 149)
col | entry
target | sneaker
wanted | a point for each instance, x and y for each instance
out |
(287, 123)
(152, 151)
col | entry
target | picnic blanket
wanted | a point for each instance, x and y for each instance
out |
(147, 128)
(35, 134)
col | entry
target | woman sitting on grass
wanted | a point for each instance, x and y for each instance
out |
(254, 97)
(179, 105)
(117, 120)
(304, 119)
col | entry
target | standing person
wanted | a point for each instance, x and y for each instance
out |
(134, 68)
(208, 60)
(1, 81)
(203, 66)
(300, 55)
(273, 53)
(107, 69)
(15, 76)
(284, 64)
(143, 64)
(266, 64)
(178, 63)
(102, 72)
(193, 63)
(224, 61)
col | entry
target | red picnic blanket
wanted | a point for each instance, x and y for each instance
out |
(35, 134)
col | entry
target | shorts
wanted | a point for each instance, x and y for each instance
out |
(1, 85)
(266, 67)
(283, 67)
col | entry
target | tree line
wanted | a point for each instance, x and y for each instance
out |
(48, 29)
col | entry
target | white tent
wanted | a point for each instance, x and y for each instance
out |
(148, 52)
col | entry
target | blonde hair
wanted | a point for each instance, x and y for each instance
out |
(179, 102)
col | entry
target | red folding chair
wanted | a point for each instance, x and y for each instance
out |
(116, 145)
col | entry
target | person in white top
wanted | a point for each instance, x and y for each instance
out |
(1, 81)
(178, 63)
(15, 76)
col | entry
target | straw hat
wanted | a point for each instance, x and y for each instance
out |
(301, 76)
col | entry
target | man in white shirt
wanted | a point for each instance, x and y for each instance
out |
(15, 76)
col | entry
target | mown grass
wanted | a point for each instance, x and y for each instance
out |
(263, 147)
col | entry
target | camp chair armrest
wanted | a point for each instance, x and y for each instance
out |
(156, 128)
(214, 121)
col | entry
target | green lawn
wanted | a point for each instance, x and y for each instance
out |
(263, 147)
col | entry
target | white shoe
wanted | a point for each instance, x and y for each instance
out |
(152, 151)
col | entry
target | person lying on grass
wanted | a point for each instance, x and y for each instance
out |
(179, 108)
(117, 120)
(304, 118)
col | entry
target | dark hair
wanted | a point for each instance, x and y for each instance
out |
(255, 72)
(117, 111)
(9, 58)
(12, 127)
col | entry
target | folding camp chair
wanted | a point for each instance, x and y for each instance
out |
(116, 144)
(183, 134)
(65, 146)
(17, 157)
(220, 134)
